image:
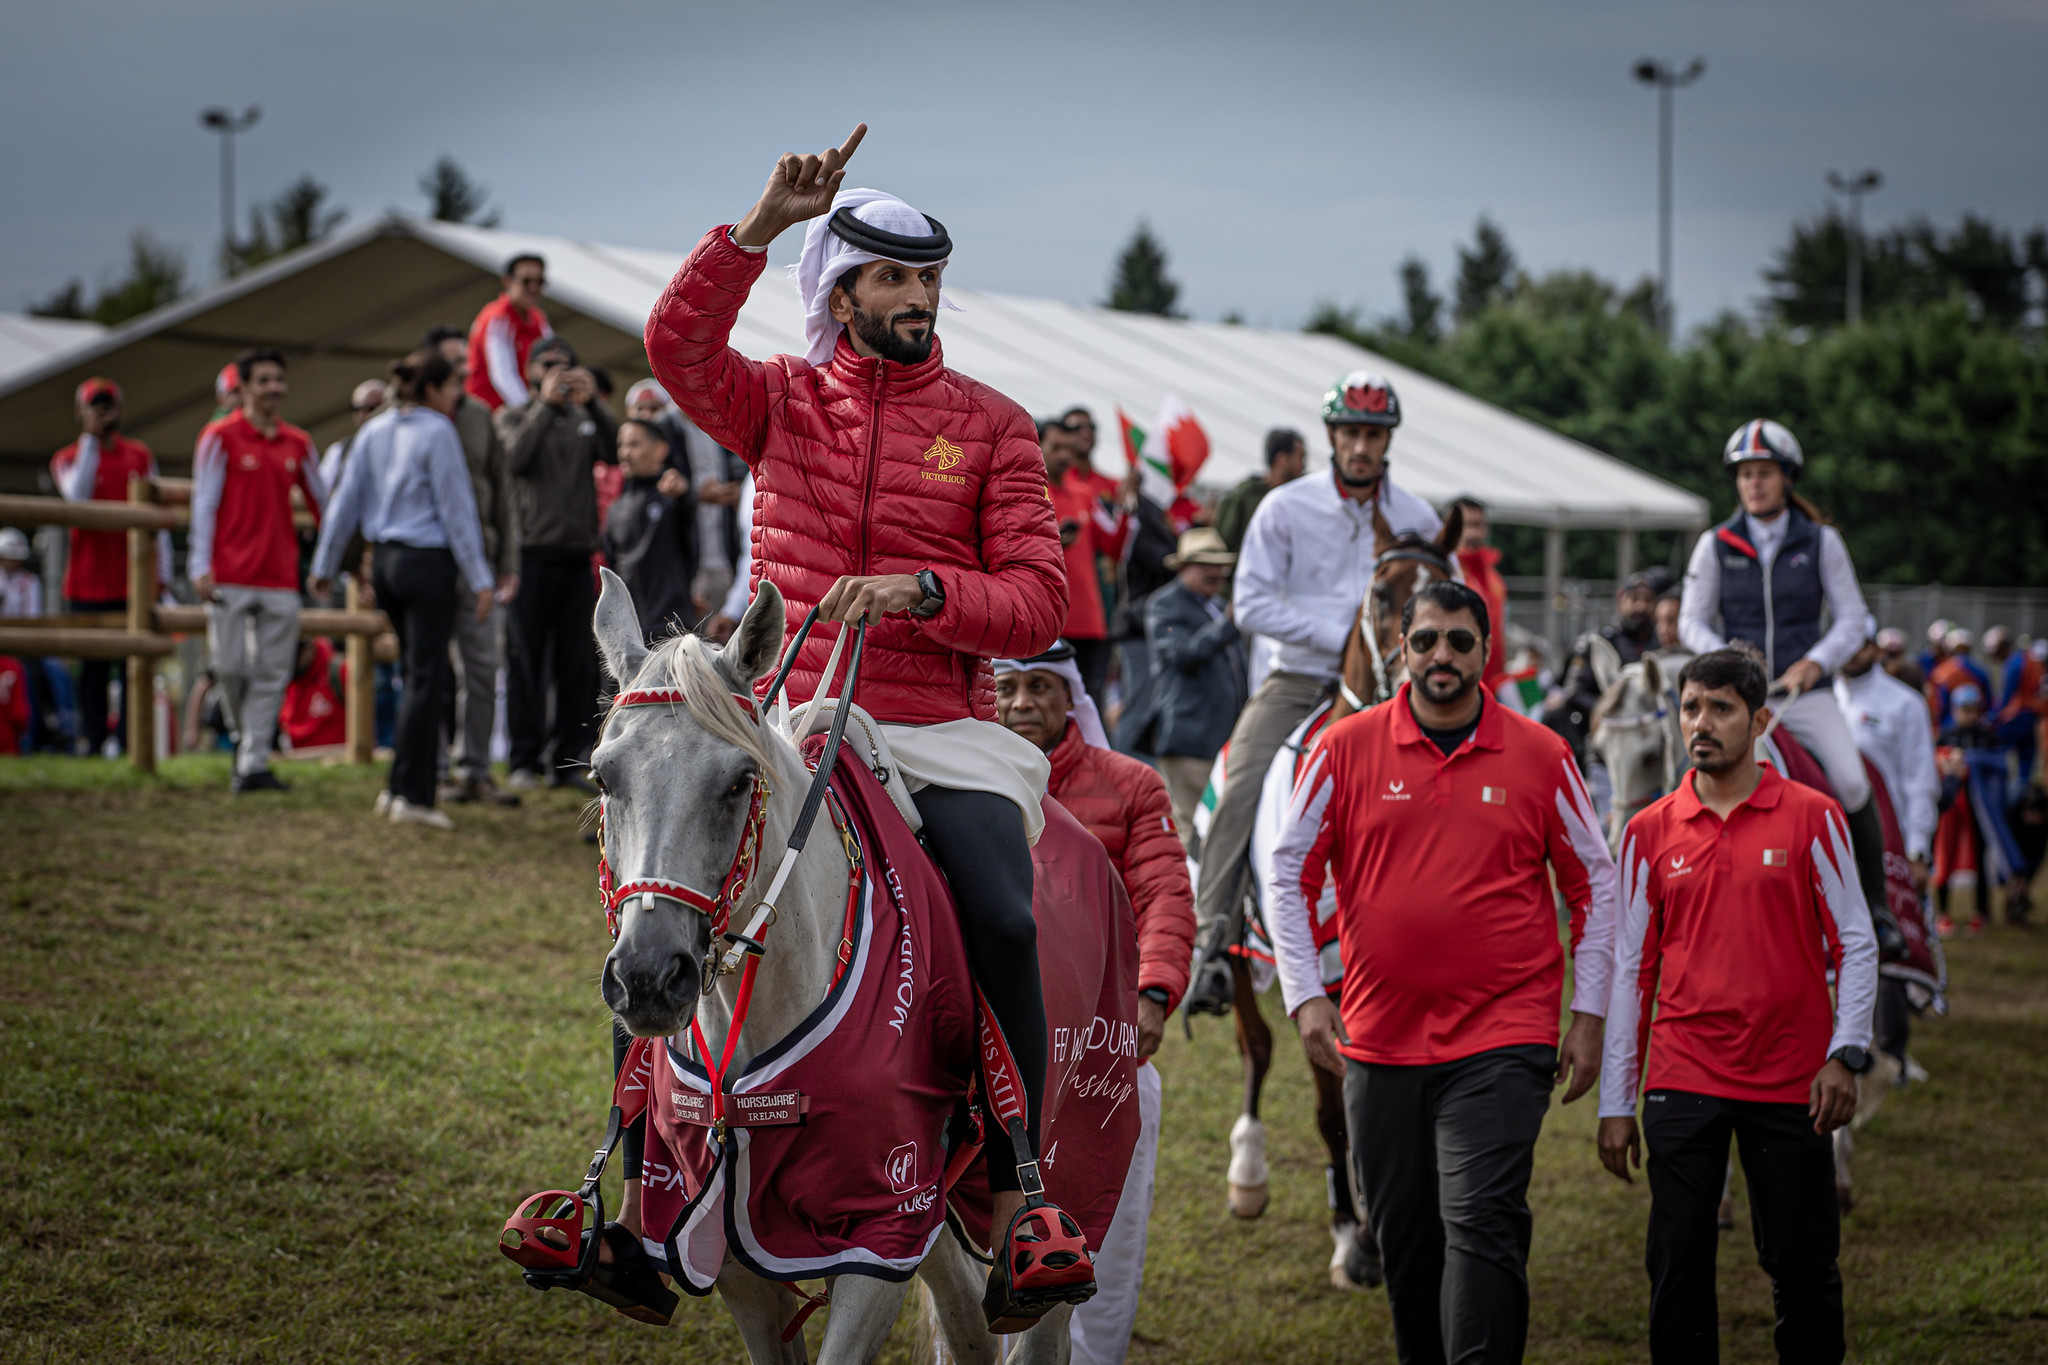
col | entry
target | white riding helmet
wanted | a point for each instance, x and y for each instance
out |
(13, 544)
(1764, 439)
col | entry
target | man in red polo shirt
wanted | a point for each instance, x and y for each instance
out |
(504, 332)
(98, 466)
(1739, 892)
(1437, 813)
(245, 555)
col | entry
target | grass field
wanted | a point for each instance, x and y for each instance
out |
(272, 1074)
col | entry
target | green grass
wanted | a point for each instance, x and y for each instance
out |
(272, 1074)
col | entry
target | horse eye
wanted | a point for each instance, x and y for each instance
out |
(597, 780)
(740, 784)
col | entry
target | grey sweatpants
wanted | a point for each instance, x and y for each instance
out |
(253, 635)
(479, 650)
(1282, 702)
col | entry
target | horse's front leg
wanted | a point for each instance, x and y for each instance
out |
(1049, 1343)
(1355, 1256)
(863, 1310)
(759, 1309)
(953, 1283)
(1246, 1184)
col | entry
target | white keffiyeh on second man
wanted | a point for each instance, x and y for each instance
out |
(827, 256)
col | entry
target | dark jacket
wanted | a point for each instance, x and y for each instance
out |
(1143, 570)
(552, 452)
(1198, 673)
(1234, 509)
(490, 475)
(651, 542)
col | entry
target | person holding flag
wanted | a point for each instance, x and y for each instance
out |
(1306, 564)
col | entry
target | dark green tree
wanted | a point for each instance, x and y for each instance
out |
(1913, 265)
(154, 276)
(452, 197)
(1140, 283)
(298, 216)
(1486, 272)
(1422, 307)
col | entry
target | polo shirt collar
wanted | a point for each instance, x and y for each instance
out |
(1769, 788)
(1488, 734)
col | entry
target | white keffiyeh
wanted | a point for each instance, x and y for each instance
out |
(1084, 713)
(827, 256)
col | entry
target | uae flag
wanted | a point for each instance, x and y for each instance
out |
(1171, 455)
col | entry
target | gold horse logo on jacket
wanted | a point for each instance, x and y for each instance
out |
(948, 454)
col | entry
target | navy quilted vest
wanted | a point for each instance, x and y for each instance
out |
(1775, 606)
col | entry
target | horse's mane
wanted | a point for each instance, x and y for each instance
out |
(693, 666)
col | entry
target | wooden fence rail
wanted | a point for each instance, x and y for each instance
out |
(144, 632)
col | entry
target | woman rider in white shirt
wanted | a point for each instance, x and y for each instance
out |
(1763, 578)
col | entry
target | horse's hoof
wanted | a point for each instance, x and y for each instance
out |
(1248, 1201)
(1355, 1260)
(1846, 1197)
(1724, 1217)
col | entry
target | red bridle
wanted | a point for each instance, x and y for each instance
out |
(717, 908)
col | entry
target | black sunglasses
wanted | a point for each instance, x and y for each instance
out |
(1462, 641)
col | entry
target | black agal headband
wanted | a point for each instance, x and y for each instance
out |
(893, 246)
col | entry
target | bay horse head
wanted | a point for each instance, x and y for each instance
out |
(1402, 565)
(693, 785)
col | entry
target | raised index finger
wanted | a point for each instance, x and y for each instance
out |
(860, 130)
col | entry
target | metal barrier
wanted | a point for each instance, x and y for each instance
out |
(144, 633)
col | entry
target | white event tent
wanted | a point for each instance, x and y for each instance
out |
(343, 307)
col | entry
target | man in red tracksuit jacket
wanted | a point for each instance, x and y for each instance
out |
(1436, 813)
(892, 490)
(1124, 804)
(1738, 894)
(503, 333)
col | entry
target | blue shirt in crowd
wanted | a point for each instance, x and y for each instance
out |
(406, 482)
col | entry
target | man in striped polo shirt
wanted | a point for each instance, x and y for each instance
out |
(1738, 893)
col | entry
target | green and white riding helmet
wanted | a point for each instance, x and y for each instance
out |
(1361, 398)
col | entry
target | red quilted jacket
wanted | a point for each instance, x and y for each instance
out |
(865, 466)
(1123, 803)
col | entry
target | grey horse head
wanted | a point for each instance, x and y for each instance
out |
(1635, 732)
(677, 782)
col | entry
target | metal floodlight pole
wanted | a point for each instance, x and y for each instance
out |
(1855, 187)
(1652, 72)
(227, 124)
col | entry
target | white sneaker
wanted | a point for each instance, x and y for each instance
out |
(383, 805)
(404, 812)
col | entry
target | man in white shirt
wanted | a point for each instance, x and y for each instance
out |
(1306, 564)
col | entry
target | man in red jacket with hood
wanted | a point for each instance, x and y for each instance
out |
(893, 490)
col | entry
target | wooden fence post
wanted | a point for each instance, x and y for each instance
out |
(360, 704)
(139, 693)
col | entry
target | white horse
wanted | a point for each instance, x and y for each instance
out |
(677, 783)
(1635, 733)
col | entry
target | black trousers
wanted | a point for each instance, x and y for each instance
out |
(1792, 1212)
(1443, 1155)
(551, 640)
(94, 724)
(977, 839)
(416, 589)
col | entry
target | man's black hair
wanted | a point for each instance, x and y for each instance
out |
(552, 345)
(602, 378)
(435, 335)
(845, 283)
(1450, 597)
(653, 429)
(1071, 413)
(1674, 593)
(1046, 424)
(1734, 668)
(1282, 441)
(522, 258)
(247, 361)
(1467, 500)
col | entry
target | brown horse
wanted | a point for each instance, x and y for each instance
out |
(1370, 673)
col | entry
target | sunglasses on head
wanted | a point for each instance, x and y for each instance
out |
(1462, 641)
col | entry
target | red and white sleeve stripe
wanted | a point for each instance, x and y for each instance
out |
(310, 482)
(1585, 876)
(1852, 944)
(501, 361)
(1304, 843)
(209, 478)
(1627, 1006)
(76, 474)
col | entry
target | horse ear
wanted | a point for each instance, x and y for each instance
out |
(617, 626)
(1606, 661)
(1653, 676)
(757, 643)
(1383, 536)
(1453, 532)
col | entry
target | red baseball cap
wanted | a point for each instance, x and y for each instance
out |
(98, 387)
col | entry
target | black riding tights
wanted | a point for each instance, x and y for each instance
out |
(977, 839)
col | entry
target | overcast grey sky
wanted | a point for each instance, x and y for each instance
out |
(1285, 152)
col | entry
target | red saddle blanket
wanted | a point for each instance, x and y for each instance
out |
(873, 1077)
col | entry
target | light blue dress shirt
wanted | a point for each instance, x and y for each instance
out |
(406, 482)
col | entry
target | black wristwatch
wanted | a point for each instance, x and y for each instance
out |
(1157, 995)
(934, 594)
(1855, 1058)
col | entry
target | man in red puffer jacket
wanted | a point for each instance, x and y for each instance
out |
(892, 490)
(1124, 804)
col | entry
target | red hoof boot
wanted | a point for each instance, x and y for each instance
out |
(1041, 1262)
